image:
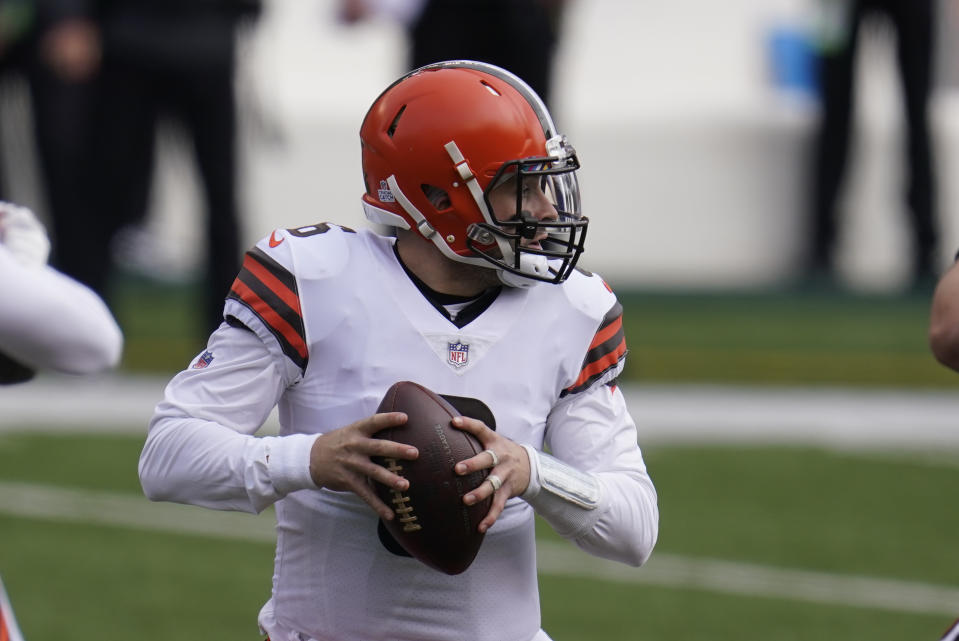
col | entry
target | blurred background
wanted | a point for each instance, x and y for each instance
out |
(693, 120)
(696, 124)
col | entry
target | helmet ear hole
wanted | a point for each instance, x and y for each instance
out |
(437, 197)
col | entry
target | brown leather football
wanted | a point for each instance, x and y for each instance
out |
(432, 524)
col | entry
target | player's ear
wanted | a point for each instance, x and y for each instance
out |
(437, 197)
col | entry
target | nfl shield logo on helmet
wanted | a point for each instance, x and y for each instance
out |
(384, 193)
(459, 354)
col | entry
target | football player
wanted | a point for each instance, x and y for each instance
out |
(475, 294)
(48, 321)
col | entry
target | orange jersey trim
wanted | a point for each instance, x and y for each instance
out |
(273, 283)
(271, 317)
(601, 365)
(605, 352)
(269, 290)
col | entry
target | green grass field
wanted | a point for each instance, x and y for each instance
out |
(886, 516)
(782, 339)
(845, 514)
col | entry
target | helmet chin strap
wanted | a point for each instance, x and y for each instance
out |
(422, 225)
(530, 264)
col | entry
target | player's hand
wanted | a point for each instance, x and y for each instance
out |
(23, 235)
(512, 468)
(340, 460)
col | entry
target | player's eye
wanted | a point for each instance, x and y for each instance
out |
(531, 184)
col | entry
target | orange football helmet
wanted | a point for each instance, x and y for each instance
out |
(439, 139)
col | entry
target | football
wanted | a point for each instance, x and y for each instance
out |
(432, 524)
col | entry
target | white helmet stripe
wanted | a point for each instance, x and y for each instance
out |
(466, 173)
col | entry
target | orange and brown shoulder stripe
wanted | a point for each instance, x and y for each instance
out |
(269, 290)
(606, 350)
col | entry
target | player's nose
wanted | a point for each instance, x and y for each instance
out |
(542, 207)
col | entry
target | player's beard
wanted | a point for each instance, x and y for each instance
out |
(441, 273)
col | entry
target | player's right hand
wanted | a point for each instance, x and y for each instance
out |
(23, 235)
(341, 460)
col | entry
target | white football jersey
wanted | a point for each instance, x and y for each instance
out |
(336, 321)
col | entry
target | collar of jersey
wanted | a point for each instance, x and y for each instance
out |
(476, 305)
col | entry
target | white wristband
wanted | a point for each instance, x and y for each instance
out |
(572, 502)
(532, 490)
(561, 480)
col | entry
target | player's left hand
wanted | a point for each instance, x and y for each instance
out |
(511, 467)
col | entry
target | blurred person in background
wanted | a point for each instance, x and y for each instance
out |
(841, 20)
(17, 19)
(48, 321)
(944, 318)
(162, 58)
(55, 47)
(519, 35)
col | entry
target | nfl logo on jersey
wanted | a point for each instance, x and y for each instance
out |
(205, 359)
(459, 354)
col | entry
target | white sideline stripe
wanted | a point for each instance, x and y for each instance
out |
(715, 575)
(827, 416)
(128, 510)
(559, 559)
